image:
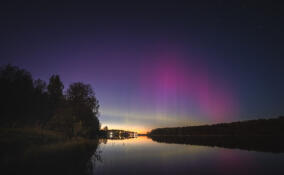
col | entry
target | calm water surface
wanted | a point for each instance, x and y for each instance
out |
(143, 156)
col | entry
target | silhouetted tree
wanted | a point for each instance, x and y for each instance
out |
(25, 101)
(55, 87)
(105, 128)
(55, 91)
(63, 121)
(40, 86)
(16, 95)
(41, 105)
(85, 107)
(82, 95)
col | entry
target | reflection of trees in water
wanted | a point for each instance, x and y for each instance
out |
(103, 140)
(255, 143)
(121, 137)
(91, 164)
(96, 156)
(71, 157)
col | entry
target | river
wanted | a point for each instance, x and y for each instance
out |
(142, 155)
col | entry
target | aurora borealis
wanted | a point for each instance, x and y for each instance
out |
(156, 65)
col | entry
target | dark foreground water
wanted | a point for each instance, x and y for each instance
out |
(142, 155)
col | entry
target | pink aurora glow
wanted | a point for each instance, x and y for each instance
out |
(169, 81)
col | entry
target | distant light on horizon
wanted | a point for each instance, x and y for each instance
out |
(172, 92)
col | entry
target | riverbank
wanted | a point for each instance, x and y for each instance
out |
(271, 144)
(258, 135)
(260, 127)
(39, 151)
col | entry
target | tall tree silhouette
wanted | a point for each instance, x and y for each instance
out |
(16, 95)
(55, 91)
(40, 86)
(28, 102)
(85, 107)
(41, 104)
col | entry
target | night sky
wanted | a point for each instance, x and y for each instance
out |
(156, 64)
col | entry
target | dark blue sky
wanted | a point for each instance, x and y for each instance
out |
(156, 64)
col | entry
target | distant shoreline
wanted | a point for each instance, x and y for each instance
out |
(273, 144)
(260, 127)
(258, 135)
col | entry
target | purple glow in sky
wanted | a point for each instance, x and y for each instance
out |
(174, 85)
(156, 64)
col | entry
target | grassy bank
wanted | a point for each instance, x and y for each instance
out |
(38, 151)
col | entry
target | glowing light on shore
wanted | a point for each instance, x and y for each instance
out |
(142, 122)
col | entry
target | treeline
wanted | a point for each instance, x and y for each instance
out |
(26, 102)
(269, 127)
(252, 143)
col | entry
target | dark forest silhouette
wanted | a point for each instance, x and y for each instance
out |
(258, 135)
(44, 130)
(26, 102)
(272, 144)
(260, 127)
